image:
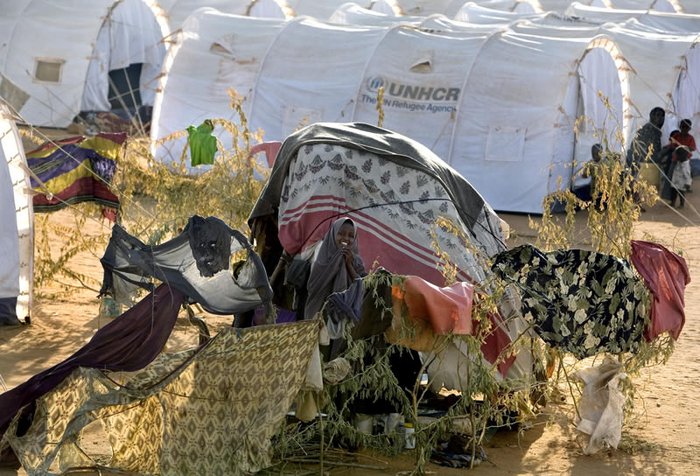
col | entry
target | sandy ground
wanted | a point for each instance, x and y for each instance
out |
(663, 439)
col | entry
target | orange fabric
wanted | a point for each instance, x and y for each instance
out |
(423, 311)
(448, 310)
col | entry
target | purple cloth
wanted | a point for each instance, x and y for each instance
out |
(128, 343)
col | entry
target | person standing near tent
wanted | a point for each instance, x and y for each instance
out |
(646, 143)
(667, 165)
(681, 179)
(685, 138)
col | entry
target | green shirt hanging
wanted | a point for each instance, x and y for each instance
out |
(202, 143)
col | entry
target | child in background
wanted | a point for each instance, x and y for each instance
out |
(681, 179)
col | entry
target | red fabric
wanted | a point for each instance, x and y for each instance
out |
(270, 148)
(666, 275)
(687, 140)
(301, 227)
(495, 343)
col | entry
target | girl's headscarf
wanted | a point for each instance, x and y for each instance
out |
(328, 272)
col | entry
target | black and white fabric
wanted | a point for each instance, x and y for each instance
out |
(197, 262)
(579, 301)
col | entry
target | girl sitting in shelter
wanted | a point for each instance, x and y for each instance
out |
(335, 267)
(336, 264)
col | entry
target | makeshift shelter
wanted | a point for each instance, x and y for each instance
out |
(17, 231)
(178, 413)
(58, 59)
(395, 190)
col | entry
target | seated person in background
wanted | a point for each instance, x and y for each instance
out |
(681, 179)
(590, 169)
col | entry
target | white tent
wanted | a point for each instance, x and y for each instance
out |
(665, 72)
(514, 139)
(448, 88)
(689, 6)
(662, 65)
(56, 57)
(621, 13)
(323, 10)
(17, 231)
(214, 52)
(353, 14)
(514, 6)
(473, 13)
(177, 11)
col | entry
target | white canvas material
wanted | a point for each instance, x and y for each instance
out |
(16, 216)
(79, 41)
(499, 102)
(177, 11)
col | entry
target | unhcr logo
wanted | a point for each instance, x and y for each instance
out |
(406, 91)
(374, 83)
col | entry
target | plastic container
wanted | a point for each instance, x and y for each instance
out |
(410, 435)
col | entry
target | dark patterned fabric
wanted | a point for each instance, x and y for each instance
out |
(579, 301)
(647, 140)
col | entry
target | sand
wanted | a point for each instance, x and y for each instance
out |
(664, 438)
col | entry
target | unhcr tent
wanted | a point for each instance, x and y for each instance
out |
(177, 11)
(617, 14)
(60, 58)
(516, 142)
(323, 10)
(662, 66)
(513, 6)
(17, 231)
(473, 13)
(433, 91)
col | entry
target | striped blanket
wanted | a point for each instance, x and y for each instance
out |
(75, 170)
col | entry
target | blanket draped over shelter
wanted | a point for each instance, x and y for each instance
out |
(392, 187)
(579, 301)
(196, 262)
(76, 170)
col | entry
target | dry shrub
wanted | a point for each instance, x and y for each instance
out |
(156, 201)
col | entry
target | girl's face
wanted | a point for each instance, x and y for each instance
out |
(345, 236)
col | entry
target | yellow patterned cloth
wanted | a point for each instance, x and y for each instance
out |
(211, 411)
